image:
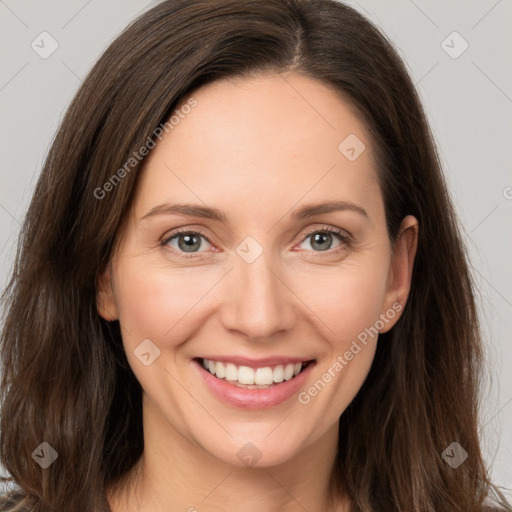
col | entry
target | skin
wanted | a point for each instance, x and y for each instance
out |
(258, 149)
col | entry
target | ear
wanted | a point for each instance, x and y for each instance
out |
(400, 272)
(105, 300)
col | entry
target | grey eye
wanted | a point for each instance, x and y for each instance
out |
(322, 240)
(186, 242)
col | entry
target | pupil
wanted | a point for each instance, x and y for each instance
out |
(319, 237)
(189, 243)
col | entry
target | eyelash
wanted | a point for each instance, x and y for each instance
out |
(167, 239)
(341, 235)
(344, 238)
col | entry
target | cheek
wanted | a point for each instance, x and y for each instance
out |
(347, 303)
(158, 304)
(162, 306)
(165, 305)
(346, 299)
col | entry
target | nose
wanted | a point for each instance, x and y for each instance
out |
(259, 301)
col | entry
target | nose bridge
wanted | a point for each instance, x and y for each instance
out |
(259, 303)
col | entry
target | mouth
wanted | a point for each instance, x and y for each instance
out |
(249, 377)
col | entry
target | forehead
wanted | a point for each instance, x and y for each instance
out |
(261, 140)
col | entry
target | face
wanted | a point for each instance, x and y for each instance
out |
(282, 257)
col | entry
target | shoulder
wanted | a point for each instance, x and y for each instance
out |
(12, 502)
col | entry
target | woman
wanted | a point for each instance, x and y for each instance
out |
(240, 283)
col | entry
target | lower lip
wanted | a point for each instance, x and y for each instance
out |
(253, 398)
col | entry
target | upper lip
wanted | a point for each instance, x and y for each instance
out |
(258, 363)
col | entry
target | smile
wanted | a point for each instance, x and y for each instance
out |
(235, 382)
(253, 378)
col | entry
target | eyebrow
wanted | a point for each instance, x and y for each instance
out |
(186, 209)
(310, 210)
(205, 212)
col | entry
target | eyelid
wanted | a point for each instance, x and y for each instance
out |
(169, 235)
(344, 237)
(343, 233)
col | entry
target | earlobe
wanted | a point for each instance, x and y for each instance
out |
(105, 300)
(404, 253)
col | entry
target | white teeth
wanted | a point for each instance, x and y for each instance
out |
(279, 373)
(231, 372)
(289, 370)
(263, 376)
(220, 370)
(245, 376)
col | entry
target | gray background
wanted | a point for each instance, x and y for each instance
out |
(468, 100)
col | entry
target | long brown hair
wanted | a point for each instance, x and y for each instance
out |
(65, 378)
